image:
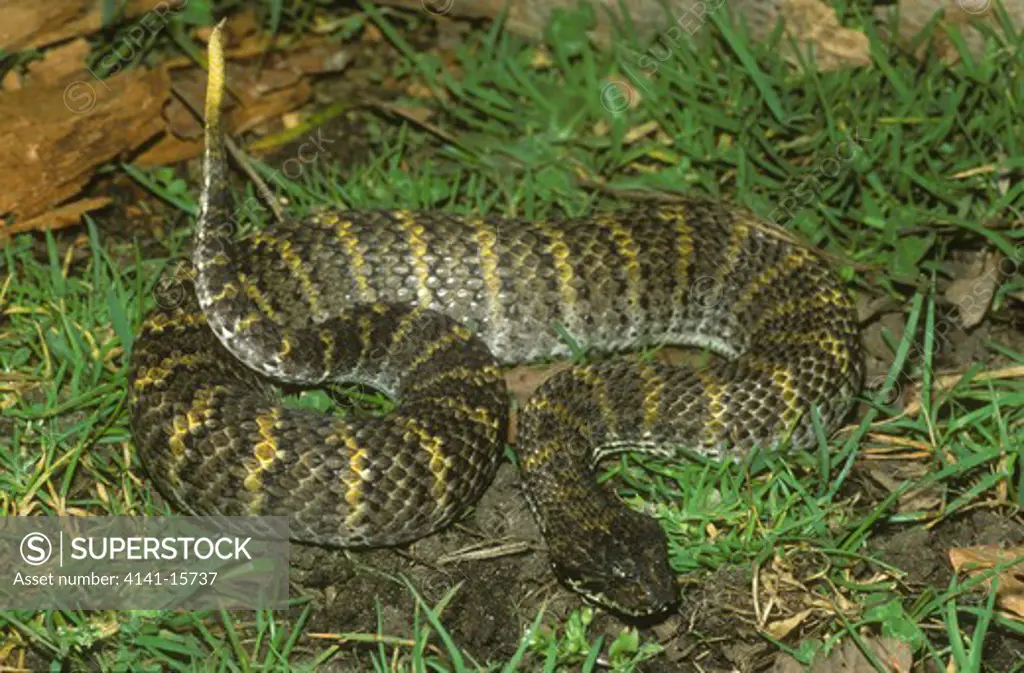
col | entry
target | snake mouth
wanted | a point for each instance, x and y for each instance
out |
(654, 609)
(647, 595)
(648, 619)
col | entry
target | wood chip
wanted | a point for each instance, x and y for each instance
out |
(52, 139)
(30, 24)
(67, 215)
(60, 64)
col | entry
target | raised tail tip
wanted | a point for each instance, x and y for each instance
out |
(215, 75)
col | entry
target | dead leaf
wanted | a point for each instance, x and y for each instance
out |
(265, 94)
(243, 24)
(878, 344)
(973, 293)
(894, 655)
(256, 90)
(79, 122)
(781, 628)
(892, 474)
(947, 382)
(1010, 591)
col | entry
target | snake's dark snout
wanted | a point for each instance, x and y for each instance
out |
(655, 589)
(623, 568)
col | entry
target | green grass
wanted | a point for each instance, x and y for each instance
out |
(891, 169)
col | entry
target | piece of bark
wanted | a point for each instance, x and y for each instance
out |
(30, 24)
(61, 123)
(59, 65)
(67, 215)
(53, 139)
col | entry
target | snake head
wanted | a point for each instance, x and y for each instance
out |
(623, 568)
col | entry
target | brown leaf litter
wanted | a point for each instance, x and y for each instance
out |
(1010, 587)
(59, 123)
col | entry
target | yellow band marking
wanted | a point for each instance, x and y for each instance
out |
(653, 385)
(327, 339)
(356, 260)
(564, 416)
(714, 394)
(824, 339)
(258, 297)
(559, 252)
(600, 389)
(365, 337)
(161, 321)
(627, 249)
(296, 266)
(414, 232)
(285, 349)
(477, 376)
(738, 235)
(458, 333)
(227, 291)
(486, 241)
(357, 473)
(190, 422)
(402, 330)
(250, 320)
(684, 252)
(793, 261)
(439, 463)
(265, 451)
(159, 373)
(541, 455)
(825, 297)
(478, 415)
(785, 382)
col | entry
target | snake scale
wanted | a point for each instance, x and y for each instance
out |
(427, 307)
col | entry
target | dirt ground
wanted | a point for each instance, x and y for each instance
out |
(712, 629)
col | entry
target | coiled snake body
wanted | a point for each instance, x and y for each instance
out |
(426, 307)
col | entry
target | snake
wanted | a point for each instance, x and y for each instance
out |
(428, 308)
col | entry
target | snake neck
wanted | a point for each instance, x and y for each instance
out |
(220, 284)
